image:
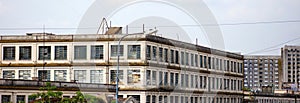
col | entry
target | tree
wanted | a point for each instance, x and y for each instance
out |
(49, 96)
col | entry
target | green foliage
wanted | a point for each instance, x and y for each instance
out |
(50, 96)
(45, 97)
(246, 89)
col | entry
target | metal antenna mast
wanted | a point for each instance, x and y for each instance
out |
(103, 26)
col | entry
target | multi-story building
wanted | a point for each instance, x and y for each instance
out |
(291, 64)
(152, 68)
(261, 70)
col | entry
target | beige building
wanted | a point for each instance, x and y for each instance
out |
(152, 68)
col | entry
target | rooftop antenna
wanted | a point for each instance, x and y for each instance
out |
(103, 26)
(143, 28)
(196, 41)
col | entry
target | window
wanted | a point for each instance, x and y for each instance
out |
(25, 53)
(134, 76)
(153, 77)
(186, 80)
(44, 75)
(196, 81)
(192, 60)
(160, 77)
(160, 54)
(166, 78)
(192, 81)
(61, 52)
(172, 56)
(96, 76)
(201, 81)
(187, 59)
(217, 64)
(182, 58)
(153, 99)
(60, 75)
(154, 53)
(25, 74)
(148, 97)
(8, 74)
(209, 62)
(176, 78)
(172, 79)
(113, 76)
(213, 63)
(80, 52)
(5, 99)
(20, 98)
(205, 64)
(148, 77)
(114, 50)
(80, 75)
(166, 55)
(221, 64)
(182, 80)
(97, 52)
(134, 52)
(201, 63)
(44, 52)
(176, 57)
(148, 52)
(196, 60)
(8, 53)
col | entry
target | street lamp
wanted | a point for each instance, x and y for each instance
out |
(118, 60)
(118, 65)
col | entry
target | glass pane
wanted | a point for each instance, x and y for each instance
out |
(25, 53)
(97, 52)
(80, 52)
(44, 52)
(134, 52)
(44, 75)
(60, 75)
(25, 74)
(114, 50)
(134, 76)
(9, 74)
(61, 52)
(114, 76)
(96, 76)
(9, 53)
(80, 75)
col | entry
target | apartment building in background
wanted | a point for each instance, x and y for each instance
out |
(262, 70)
(152, 68)
(291, 64)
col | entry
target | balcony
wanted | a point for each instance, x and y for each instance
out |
(62, 86)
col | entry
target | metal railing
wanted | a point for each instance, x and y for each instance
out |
(58, 84)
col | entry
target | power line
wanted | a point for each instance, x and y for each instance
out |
(266, 49)
(224, 24)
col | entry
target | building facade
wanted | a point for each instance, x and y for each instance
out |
(261, 70)
(152, 69)
(291, 64)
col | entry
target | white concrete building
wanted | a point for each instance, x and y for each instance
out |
(291, 64)
(152, 68)
(262, 70)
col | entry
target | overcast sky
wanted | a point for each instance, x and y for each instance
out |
(16, 16)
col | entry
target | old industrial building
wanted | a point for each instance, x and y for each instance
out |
(152, 68)
(262, 70)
